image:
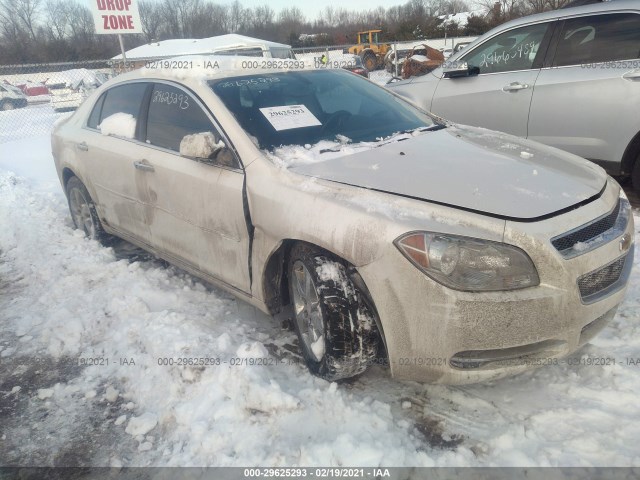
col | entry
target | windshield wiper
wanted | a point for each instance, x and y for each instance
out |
(432, 128)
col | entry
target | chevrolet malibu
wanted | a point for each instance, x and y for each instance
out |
(454, 254)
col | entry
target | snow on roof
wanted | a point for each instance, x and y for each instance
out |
(461, 18)
(195, 46)
(73, 77)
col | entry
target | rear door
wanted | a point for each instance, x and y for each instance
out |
(499, 96)
(587, 97)
(122, 196)
(198, 209)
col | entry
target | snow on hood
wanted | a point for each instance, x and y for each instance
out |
(469, 168)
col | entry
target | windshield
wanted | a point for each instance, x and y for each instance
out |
(300, 108)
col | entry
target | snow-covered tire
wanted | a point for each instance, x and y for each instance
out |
(83, 212)
(7, 105)
(332, 318)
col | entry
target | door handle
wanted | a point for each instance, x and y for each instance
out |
(147, 167)
(514, 87)
(635, 75)
(82, 146)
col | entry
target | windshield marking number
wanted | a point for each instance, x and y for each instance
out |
(289, 117)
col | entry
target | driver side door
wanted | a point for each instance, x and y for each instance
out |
(198, 209)
(498, 96)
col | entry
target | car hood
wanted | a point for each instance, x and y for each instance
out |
(473, 169)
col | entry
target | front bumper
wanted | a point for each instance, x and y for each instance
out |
(435, 334)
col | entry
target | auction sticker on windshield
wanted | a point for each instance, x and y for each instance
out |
(290, 116)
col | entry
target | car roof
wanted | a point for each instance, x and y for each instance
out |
(210, 67)
(606, 6)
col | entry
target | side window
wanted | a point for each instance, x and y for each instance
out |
(599, 38)
(509, 51)
(123, 99)
(173, 113)
(94, 118)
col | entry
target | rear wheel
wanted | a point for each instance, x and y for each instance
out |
(334, 322)
(83, 211)
(7, 105)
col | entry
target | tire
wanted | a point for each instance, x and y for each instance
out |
(335, 325)
(83, 212)
(369, 61)
(635, 176)
(7, 105)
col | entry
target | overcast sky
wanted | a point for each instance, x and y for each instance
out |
(312, 9)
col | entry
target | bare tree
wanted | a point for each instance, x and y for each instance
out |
(151, 18)
(23, 12)
(237, 17)
(58, 17)
(455, 6)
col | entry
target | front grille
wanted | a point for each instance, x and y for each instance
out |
(587, 232)
(594, 284)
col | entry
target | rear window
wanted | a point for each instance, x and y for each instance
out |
(121, 99)
(599, 38)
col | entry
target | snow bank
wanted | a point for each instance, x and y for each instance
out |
(119, 124)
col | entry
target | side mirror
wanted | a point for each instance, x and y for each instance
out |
(458, 69)
(201, 146)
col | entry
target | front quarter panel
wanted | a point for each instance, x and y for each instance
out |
(360, 226)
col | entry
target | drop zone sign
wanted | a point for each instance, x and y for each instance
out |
(116, 16)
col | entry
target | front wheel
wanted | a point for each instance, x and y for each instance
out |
(83, 211)
(333, 320)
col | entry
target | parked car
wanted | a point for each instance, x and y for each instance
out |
(70, 88)
(11, 97)
(459, 46)
(569, 78)
(34, 89)
(354, 64)
(454, 253)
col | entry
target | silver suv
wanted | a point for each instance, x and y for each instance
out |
(569, 78)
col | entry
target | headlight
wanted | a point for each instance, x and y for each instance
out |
(469, 264)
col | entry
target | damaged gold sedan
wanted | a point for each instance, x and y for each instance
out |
(455, 254)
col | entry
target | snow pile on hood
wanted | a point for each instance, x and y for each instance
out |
(119, 124)
(294, 155)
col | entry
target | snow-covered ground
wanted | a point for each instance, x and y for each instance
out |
(86, 333)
